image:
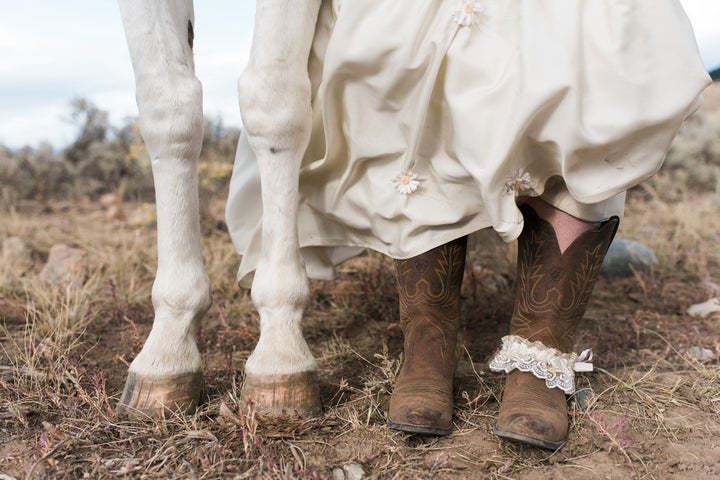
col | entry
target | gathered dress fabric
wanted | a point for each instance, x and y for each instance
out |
(432, 120)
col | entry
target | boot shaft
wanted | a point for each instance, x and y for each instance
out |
(429, 284)
(553, 287)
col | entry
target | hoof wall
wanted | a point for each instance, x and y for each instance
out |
(155, 397)
(296, 394)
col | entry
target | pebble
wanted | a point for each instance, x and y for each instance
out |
(625, 257)
(351, 471)
(699, 353)
(65, 266)
(704, 309)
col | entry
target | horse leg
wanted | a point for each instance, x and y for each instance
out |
(281, 373)
(167, 373)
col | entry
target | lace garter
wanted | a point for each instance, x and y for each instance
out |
(556, 368)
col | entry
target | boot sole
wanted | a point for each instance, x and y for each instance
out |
(421, 429)
(522, 438)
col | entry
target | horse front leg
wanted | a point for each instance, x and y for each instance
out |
(167, 373)
(281, 373)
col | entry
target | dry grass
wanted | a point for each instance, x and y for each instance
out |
(649, 411)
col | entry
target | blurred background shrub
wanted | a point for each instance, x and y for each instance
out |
(105, 158)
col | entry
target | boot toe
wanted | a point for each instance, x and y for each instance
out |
(420, 419)
(531, 429)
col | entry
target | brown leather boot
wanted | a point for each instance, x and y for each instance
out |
(429, 291)
(553, 290)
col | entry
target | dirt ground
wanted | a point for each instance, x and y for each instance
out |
(650, 410)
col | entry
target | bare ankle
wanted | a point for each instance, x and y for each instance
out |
(567, 228)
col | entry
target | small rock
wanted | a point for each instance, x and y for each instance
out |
(65, 266)
(704, 309)
(16, 256)
(625, 257)
(583, 397)
(351, 471)
(699, 353)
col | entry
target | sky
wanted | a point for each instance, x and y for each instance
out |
(48, 59)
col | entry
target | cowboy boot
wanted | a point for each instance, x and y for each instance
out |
(553, 289)
(429, 291)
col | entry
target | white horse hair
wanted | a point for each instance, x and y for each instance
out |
(274, 92)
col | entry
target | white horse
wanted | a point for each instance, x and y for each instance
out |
(280, 375)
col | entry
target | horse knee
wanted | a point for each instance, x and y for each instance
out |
(275, 108)
(171, 118)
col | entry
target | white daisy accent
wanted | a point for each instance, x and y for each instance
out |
(521, 182)
(466, 14)
(406, 182)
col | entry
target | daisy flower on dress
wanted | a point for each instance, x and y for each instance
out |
(521, 182)
(405, 182)
(465, 15)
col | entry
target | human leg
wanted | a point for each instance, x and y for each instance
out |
(553, 289)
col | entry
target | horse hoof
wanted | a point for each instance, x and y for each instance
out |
(155, 397)
(282, 395)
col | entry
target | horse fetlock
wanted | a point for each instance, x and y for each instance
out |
(185, 291)
(287, 297)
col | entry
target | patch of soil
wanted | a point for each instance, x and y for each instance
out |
(648, 411)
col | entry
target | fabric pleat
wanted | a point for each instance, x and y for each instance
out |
(484, 103)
